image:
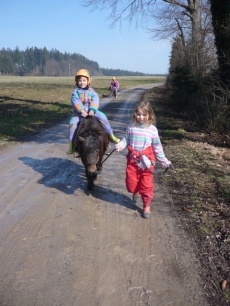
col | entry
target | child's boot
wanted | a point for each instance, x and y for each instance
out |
(146, 212)
(114, 139)
(70, 151)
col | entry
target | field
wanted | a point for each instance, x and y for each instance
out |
(29, 104)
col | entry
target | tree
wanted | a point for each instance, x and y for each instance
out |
(173, 21)
(174, 10)
(29, 60)
(6, 64)
(44, 56)
(18, 60)
(221, 23)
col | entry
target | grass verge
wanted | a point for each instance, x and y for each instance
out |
(200, 186)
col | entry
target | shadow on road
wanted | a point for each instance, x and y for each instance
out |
(63, 174)
(67, 176)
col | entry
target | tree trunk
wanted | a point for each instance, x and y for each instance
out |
(196, 41)
(193, 11)
(220, 10)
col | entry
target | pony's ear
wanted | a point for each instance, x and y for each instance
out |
(81, 138)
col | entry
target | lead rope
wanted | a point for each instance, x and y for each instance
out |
(100, 165)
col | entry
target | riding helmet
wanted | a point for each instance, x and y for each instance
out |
(85, 73)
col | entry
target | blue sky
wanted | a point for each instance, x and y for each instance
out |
(67, 26)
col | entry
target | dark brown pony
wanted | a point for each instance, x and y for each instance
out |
(91, 141)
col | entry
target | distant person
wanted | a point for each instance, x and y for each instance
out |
(114, 86)
(85, 102)
(144, 146)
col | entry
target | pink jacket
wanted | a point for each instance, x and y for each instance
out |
(114, 84)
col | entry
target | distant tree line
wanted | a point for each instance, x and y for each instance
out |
(119, 72)
(35, 61)
(42, 62)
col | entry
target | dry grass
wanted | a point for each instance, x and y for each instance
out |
(200, 187)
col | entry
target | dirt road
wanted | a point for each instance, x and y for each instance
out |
(60, 245)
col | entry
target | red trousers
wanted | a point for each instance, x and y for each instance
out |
(139, 181)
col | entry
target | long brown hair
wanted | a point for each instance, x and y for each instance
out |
(146, 107)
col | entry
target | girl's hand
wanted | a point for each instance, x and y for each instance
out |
(84, 113)
(120, 146)
(91, 113)
(166, 164)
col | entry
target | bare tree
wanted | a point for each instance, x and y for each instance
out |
(173, 16)
(197, 37)
(52, 68)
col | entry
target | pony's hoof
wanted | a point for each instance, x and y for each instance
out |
(99, 168)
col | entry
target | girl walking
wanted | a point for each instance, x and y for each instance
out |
(144, 147)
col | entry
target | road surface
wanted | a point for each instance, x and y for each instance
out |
(60, 245)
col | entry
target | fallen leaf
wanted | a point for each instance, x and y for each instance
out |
(224, 285)
(186, 209)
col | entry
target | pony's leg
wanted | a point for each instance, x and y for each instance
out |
(90, 180)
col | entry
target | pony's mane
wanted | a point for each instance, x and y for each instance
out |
(91, 126)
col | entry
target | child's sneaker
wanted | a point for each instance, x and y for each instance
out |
(114, 139)
(135, 197)
(146, 212)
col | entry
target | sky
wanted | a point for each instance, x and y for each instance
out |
(69, 27)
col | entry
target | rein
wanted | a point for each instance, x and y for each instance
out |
(100, 165)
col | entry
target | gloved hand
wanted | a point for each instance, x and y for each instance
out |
(84, 113)
(91, 113)
(120, 146)
(166, 163)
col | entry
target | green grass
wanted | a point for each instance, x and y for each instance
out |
(28, 104)
(173, 134)
(227, 295)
